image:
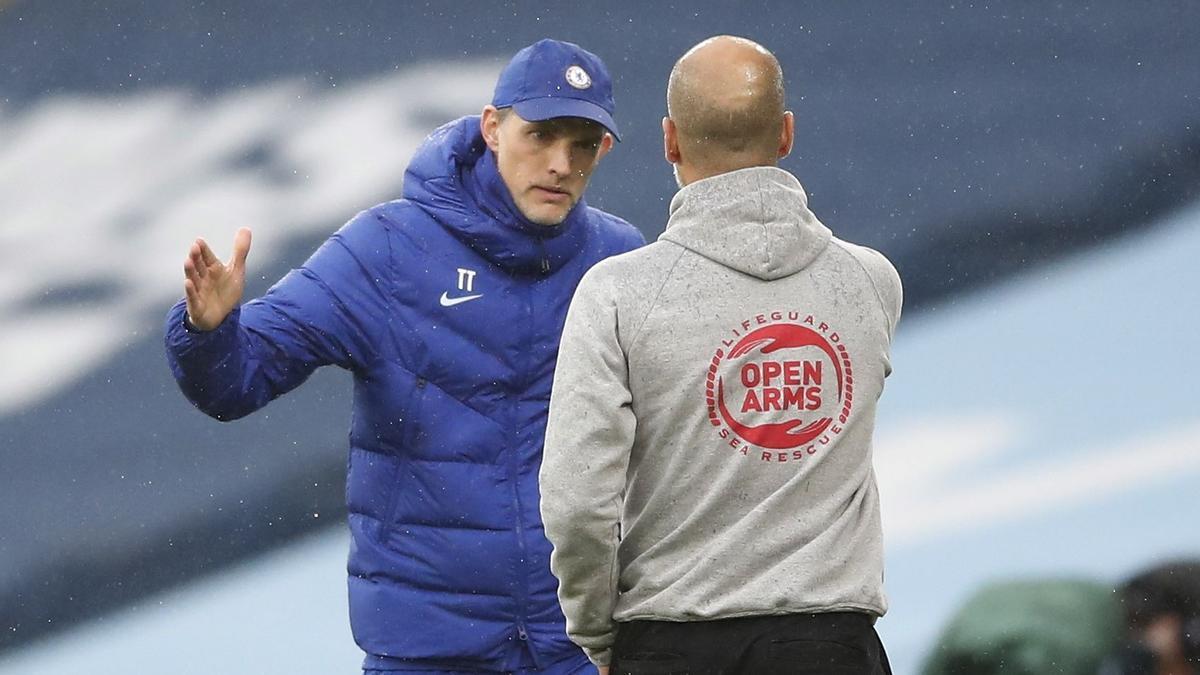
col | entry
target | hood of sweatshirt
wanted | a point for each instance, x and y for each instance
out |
(753, 220)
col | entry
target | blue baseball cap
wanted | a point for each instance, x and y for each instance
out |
(550, 78)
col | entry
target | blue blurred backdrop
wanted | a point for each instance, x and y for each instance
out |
(1032, 169)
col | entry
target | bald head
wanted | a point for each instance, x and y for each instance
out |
(725, 99)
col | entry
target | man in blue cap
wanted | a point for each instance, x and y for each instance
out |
(446, 306)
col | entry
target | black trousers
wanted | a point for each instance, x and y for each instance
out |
(841, 643)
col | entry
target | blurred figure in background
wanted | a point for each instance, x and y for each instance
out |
(1029, 627)
(1149, 626)
(447, 306)
(708, 481)
(1162, 622)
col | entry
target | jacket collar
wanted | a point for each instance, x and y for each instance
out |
(454, 178)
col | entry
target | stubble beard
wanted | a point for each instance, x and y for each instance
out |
(558, 220)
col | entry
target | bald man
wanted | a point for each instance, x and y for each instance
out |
(707, 481)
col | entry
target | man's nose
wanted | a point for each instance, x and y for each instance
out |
(560, 159)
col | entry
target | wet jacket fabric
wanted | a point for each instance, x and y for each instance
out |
(447, 307)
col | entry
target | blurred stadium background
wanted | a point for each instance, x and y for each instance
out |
(1033, 170)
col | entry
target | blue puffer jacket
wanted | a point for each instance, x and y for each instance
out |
(447, 306)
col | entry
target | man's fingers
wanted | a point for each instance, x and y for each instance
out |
(241, 248)
(196, 261)
(193, 296)
(193, 301)
(208, 257)
(191, 269)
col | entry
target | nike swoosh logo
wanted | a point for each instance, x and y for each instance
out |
(448, 301)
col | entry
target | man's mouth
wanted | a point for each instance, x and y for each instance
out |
(551, 193)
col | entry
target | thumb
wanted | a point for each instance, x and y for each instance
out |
(241, 248)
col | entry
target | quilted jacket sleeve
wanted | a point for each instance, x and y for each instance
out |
(317, 315)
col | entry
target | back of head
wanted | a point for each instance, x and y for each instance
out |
(1162, 617)
(726, 100)
(1169, 589)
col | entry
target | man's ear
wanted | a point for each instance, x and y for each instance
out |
(489, 126)
(670, 141)
(787, 136)
(606, 144)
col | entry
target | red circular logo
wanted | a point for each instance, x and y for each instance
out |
(780, 386)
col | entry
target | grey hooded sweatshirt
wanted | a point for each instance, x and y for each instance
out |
(708, 453)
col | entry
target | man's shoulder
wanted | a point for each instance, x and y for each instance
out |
(398, 213)
(615, 229)
(401, 222)
(634, 268)
(609, 222)
(874, 262)
(882, 274)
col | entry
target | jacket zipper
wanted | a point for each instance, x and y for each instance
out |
(545, 257)
(515, 475)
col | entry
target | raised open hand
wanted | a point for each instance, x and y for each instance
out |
(214, 288)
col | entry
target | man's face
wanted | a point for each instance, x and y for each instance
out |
(545, 165)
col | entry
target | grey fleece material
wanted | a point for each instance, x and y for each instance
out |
(708, 453)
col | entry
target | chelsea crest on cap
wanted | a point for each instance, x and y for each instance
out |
(551, 78)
